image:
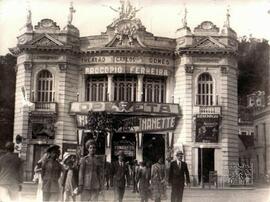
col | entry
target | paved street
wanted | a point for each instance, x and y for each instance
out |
(190, 195)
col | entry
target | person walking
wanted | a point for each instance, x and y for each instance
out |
(90, 174)
(50, 174)
(178, 175)
(143, 178)
(37, 176)
(10, 174)
(70, 177)
(158, 180)
(120, 175)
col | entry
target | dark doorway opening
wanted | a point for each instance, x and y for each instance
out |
(208, 162)
(125, 142)
(100, 143)
(153, 147)
(39, 150)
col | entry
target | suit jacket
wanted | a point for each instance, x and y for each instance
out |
(11, 170)
(50, 173)
(90, 173)
(177, 175)
(119, 173)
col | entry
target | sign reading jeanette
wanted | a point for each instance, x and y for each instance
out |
(118, 69)
(157, 123)
(127, 60)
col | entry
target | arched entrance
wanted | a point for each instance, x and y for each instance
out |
(125, 142)
(153, 147)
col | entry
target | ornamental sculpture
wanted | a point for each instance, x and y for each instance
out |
(126, 10)
(71, 11)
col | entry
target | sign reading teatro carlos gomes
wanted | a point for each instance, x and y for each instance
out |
(207, 127)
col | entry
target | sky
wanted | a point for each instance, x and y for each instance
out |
(161, 17)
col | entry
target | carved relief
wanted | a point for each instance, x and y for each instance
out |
(224, 69)
(206, 26)
(189, 68)
(45, 42)
(47, 24)
(27, 66)
(63, 67)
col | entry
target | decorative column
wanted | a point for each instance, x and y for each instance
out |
(140, 88)
(110, 88)
(139, 146)
(108, 147)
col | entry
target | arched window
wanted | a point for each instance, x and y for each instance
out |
(154, 89)
(97, 87)
(205, 90)
(45, 91)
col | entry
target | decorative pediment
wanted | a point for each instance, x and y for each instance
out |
(209, 42)
(47, 24)
(126, 34)
(206, 26)
(46, 40)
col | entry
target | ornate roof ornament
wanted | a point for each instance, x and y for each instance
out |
(126, 11)
(227, 22)
(70, 15)
(184, 19)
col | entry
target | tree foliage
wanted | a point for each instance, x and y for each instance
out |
(7, 97)
(253, 64)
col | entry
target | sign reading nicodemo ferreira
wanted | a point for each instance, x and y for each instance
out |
(207, 127)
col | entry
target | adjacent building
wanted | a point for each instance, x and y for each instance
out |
(172, 93)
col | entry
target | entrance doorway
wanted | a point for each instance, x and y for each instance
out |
(153, 147)
(208, 162)
(125, 142)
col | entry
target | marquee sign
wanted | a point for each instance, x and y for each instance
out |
(207, 127)
(127, 60)
(121, 69)
(126, 107)
(157, 124)
(140, 124)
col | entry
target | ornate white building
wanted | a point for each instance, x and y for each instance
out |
(177, 92)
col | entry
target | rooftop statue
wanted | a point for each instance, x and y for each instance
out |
(29, 17)
(126, 10)
(184, 19)
(71, 11)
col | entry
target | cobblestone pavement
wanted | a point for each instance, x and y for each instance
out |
(190, 195)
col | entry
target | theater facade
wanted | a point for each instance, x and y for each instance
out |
(170, 93)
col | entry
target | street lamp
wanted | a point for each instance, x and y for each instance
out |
(201, 147)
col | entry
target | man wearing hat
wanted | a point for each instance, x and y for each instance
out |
(120, 174)
(178, 175)
(50, 174)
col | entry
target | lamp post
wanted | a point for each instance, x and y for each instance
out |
(201, 147)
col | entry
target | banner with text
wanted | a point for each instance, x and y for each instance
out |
(207, 127)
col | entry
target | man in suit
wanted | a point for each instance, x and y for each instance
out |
(50, 174)
(90, 174)
(178, 174)
(10, 174)
(120, 174)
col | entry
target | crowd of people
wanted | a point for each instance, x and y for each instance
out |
(86, 178)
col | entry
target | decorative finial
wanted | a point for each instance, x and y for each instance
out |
(71, 11)
(184, 19)
(227, 22)
(29, 14)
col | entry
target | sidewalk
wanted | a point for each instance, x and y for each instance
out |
(191, 194)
